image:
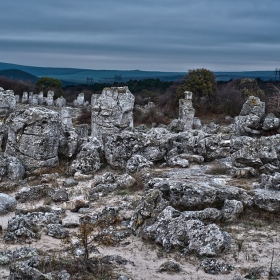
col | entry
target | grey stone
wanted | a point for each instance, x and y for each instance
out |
(177, 161)
(80, 101)
(267, 200)
(6, 257)
(88, 159)
(270, 181)
(136, 163)
(270, 122)
(7, 103)
(70, 182)
(112, 111)
(206, 215)
(213, 266)
(171, 229)
(33, 137)
(170, 266)
(60, 195)
(186, 111)
(66, 117)
(7, 204)
(60, 102)
(34, 193)
(231, 210)
(250, 119)
(49, 99)
(56, 231)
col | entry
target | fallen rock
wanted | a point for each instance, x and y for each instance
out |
(70, 182)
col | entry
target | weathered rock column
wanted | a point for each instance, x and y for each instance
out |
(24, 99)
(80, 100)
(7, 103)
(112, 111)
(186, 111)
(41, 98)
(65, 116)
(49, 100)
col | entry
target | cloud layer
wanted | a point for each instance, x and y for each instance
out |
(149, 35)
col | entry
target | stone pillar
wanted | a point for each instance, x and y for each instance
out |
(7, 103)
(30, 98)
(17, 98)
(112, 111)
(80, 100)
(49, 100)
(60, 102)
(186, 111)
(66, 118)
(24, 99)
(41, 98)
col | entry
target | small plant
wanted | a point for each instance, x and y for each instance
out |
(123, 192)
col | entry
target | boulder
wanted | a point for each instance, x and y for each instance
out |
(56, 231)
(33, 137)
(88, 159)
(7, 257)
(213, 266)
(136, 163)
(231, 210)
(249, 121)
(170, 266)
(34, 193)
(7, 103)
(171, 230)
(70, 182)
(7, 204)
(60, 195)
(270, 122)
(267, 200)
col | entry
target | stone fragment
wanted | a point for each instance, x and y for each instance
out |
(60, 195)
(177, 161)
(49, 99)
(112, 111)
(60, 102)
(7, 257)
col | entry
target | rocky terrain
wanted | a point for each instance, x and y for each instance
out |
(114, 201)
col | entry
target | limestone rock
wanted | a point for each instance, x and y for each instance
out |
(7, 204)
(250, 119)
(213, 266)
(147, 209)
(7, 103)
(88, 158)
(170, 266)
(186, 111)
(231, 210)
(270, 181)
(111, 111)
(206, 215)
(57, 231)
(267, 200)
(70, 182)
(60, 102)
(270, 122)
(33, 137)
(178, 161)
(171, 229)
(7, 257)
(34, 193)
(137, 163)
(60, 195)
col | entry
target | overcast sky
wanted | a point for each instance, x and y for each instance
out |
(164, 35)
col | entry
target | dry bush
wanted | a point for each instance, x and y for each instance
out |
(85, 116)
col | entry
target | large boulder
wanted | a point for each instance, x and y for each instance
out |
(112, 111)
(171, 229)
(33, 137)
(249, 121)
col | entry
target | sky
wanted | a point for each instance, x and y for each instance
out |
(161, 35)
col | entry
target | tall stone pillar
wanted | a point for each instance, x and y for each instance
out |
(186, 111)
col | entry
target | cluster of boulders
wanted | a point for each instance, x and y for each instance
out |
(176, 212)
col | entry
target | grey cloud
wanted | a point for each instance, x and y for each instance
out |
(154, 35)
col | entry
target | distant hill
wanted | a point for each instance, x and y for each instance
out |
(18, 75)
(79, 76)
